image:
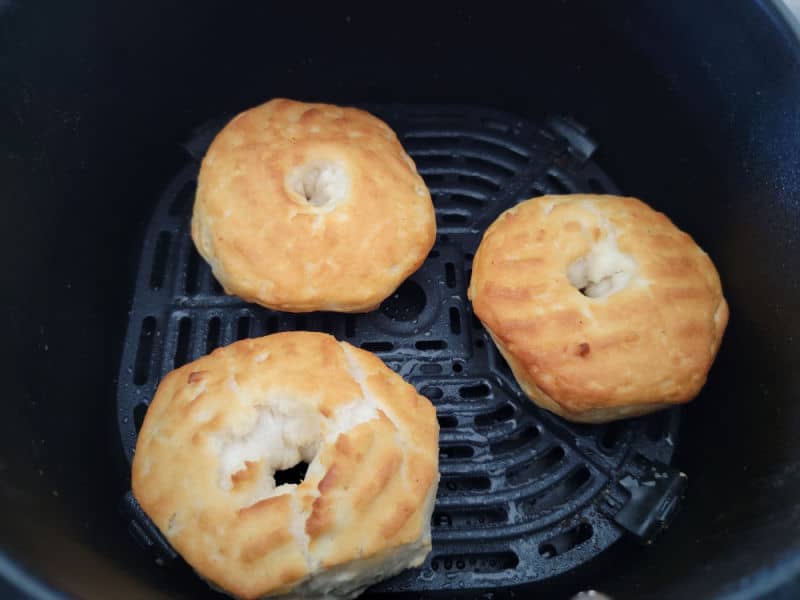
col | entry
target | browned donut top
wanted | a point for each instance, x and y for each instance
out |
(599, 301)
(305, 207)
(220, 427)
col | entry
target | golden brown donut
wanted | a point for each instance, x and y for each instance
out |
(219, 428)
(601, 306)
(303, 207)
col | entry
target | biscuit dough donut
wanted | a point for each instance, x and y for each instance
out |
(219, 428)
(303, 207)
(601, 306)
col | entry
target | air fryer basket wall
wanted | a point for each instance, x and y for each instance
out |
(696, 109)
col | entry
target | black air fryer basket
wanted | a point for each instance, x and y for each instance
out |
(695, 109)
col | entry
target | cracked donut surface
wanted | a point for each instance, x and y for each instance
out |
(601, 306)
(303, 207)
(220, 427)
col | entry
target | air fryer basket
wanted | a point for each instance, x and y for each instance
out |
(695, 108)
(524, 495)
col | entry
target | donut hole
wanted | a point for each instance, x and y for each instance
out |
(292, 475)
(320, 184)
(274, 450)
(604, 271)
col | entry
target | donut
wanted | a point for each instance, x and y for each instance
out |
(601, 306)
(304, 207)
(219, 431)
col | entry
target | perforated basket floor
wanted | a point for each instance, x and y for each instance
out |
(524, 495)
